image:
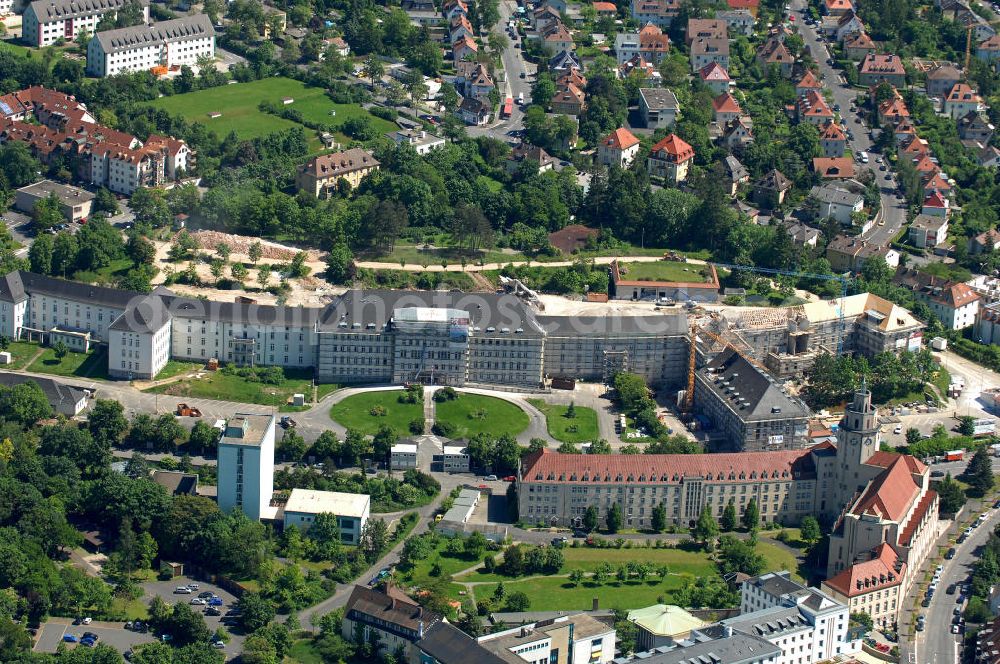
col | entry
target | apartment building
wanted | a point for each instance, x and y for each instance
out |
(563, 640)
(47, 21)
(658, 107)
(321, 175)
(178, 42)
(246, 465)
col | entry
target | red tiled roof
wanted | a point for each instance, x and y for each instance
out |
(743, 4)
(935, 199)
(834, 167)
(884, 459)
(549, 466)
(605, 7)
(923, 507)
(726, 103)
(675, 146)
(859, 40)
(713, 71)
(882, 63)
(891, 494)
(620, 139)
(870, 576)
(809, 80)
(937, 182)
(831, 131)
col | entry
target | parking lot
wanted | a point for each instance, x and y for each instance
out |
(51, 633)
(165, 590)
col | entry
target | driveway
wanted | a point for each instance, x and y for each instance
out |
(165, 590)
(111, 633)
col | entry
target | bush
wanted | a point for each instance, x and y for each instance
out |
(445, 394)
(383, 112)
(377, 411)
(445, 429)
(416, 426)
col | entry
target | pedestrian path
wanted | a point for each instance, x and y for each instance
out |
(429, 409)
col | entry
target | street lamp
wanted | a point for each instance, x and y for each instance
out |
(274, 403)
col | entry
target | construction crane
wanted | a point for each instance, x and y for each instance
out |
(695, 330)
(968, 47)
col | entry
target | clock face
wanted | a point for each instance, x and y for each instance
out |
(869, 441)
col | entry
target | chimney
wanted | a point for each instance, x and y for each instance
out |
(524, 632)
(727, 631)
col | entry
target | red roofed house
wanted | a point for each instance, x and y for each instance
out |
(812, 108)
(670, 159)
(936, 205)
(834, 168)
(961, 101)
(837, 7)
(873, 587)
(833, 140)
(726, 108)
(806, 83)
(893, 111)
(570, 100)
(753, 6)
(876, 68)
(619, 148)
(464, 48)
(989, 50)
(605, 9)
(715, 77)
(954, 303)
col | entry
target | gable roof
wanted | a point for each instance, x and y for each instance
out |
(713, 71)
(726, 103)
(809, 81)
(831, 131)
(882, 63)
(834, 167)
(859, 40)
(890, 495)
(676, 147)
(391, 606)
(884, 570)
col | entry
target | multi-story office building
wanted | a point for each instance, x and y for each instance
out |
(350, 509)
(564, 640)
(747, 409)
(887, 495)
(246, 465)
(180, 41)
(47, 21)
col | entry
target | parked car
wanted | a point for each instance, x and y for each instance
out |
(950, 554)
(213, 611)
(898, 429)
(206, 595)
(218, 645)
(182, 590)
(490, 478)
(193, 586)
(71, 638)
(198, 601)
(215, 601)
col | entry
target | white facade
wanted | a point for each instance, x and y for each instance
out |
(246, 465)
(403, 456)
(140, 48)
(143, 354)
(351, 509)
(45, 21)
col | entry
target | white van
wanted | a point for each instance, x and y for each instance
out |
(864, 157)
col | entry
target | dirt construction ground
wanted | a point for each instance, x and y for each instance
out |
(309, 291)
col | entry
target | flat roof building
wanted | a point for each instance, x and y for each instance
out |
(246, 465)
(351, 509)
(74, 203)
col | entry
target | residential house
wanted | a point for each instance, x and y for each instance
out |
(454, 8)
(738, 21)
(833, 168)
(480, 84)
(619, 148)
(571, 77)
(858, 46)
(802, 235)
(892, 111)
(961, 101)
(848, 24)
(774, 53)
(387, 618)
(936, 205)
(752, 6)
(464, 49)
(320, 175)
(460, 27)
(812, 108)
(670, 159)
(726, 108)
(557, 38)
(640, 67)
(44, 22)
(705, 28)
(940, 80)
(928, 231)
(544, 18)
(660, 13)
(527, 153)
(905, 132)
(422, 142)
(975, 127)
(808, 83)
(736, 173)
(658, 107)
(838, 203)
(650, 43)
(716, 78)
(705, 50)
(737, 134)
(988, 50)
(770, 189)
(878, 67)
(339, 46)
(836, 7)
(563, 62)
(569, 100)
(955, 304)
(849, 253)
(475, 112)
(606, 9)
(833, 140)
(985, 242)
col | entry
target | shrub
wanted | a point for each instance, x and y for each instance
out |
(383, 112)
(445, 429)
(377, 411)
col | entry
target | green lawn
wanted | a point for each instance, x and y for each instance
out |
(557, 593)
(473, 414)
(354, 412)
(228, 387)
(238, 104)
(666, 271)
(302, 652)
(135, 609)
(450, 564)
(779, 558)
(693, 563)
(578, 429)
(176, 368)
(20, 353)
(105, 275)
(81, 365)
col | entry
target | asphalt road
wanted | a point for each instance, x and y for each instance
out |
(895, 210)
(165, 590)
(936, 644)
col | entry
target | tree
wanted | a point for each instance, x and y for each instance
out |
(25, 403)
(449, 96)
(863, 619)
(47, 213)
(913, 436)
(614, 518)
(590, 517)
(809, 529)
(706, 529)
(739, 556)
(966, 425)
(373, 69)
(292, 446)
(951, 495)
(255, 252)
(374, 537)
(107, 423)
(340, 264)
(576, 576)
(204, 438)
(40, 254)
(186, 626)
(518, 601)
(659, 519)
(728, 521)
(600, 447)
(256, 611)
(979, 474)
(751, 515)
(140, 250)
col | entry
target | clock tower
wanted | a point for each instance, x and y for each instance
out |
(859, 433)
